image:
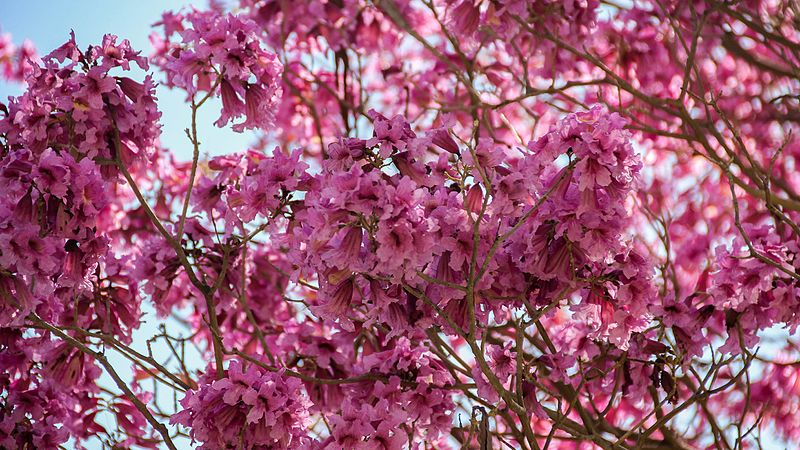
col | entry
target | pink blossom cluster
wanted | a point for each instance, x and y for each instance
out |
(97, 115)
(15, 61)
(754, 294)
(410, 399)
(63, 142)
(249, 408)
(221, 55)
(62, 138)
(582, 231)
(460, 224)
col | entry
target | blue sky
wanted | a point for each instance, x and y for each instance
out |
(48, 23)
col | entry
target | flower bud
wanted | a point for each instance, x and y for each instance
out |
(230, 99)
(132, 89)
(442, 139)
(474, 201)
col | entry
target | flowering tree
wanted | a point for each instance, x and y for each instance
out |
(521, 224)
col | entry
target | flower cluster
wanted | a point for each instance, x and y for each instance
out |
(248, 408)
(753, 294)
(222, 55)
(63, 144)
(64, 137)
(340, 24)
(579, 232)
(36, 426)
(412, 394)
(78, 108)
(461, 223)
(15, 61)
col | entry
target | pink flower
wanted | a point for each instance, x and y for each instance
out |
(337, 300)
(23, 250)
(15, 62)
(346, 253)
(503, 360)
(224, 49)
(249, 407)
(390, 134)
(465, 17)
(232, 105)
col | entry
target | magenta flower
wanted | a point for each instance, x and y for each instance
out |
(224, 50)
(458, 223)
(249, 407)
